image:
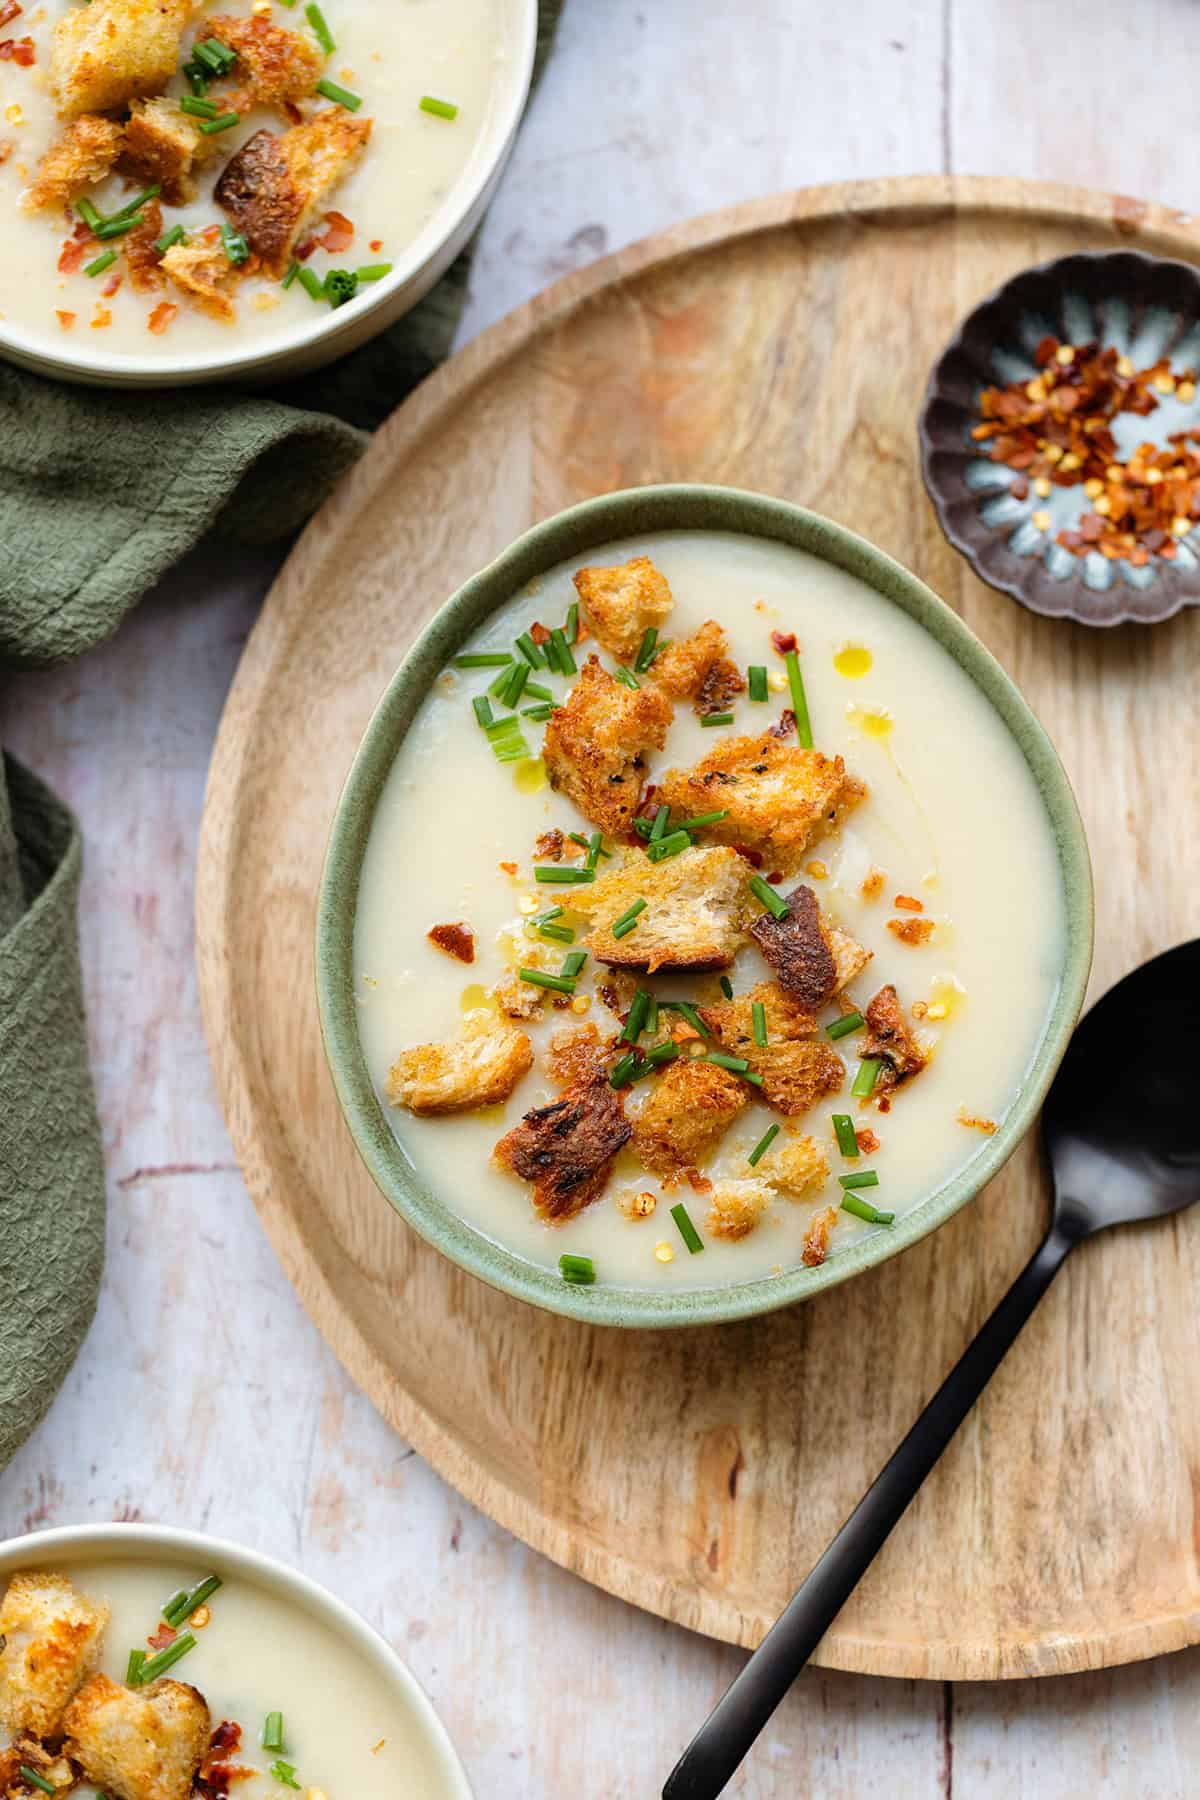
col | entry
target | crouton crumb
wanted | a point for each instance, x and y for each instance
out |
(911, 931)
(816, 1241)
(735, 1208)
(873, 884)
(974, 1122)
(699, 669)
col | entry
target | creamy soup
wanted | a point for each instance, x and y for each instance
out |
(389, 58)
(345, 1733)
(946, 872)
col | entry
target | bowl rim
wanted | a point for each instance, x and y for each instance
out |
(269, 355)
(578, 529)
(137, 1542)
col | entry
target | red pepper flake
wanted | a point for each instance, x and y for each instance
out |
(303, 251)
(457, 940)
(784, 641)
(377, 245)
(161, 317)
(786, 725)
(538, 632)
(698, 1182)
(908, 903)
(868, 1143)
(75, 251)
(110, 287)
(9, 10)
(509, 868)
(753, 857)
(163, 1638)
(65, 319)
(18, 50)
(340, 233)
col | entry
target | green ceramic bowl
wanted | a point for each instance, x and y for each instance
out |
(576, 533)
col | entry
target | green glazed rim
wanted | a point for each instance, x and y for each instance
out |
(582, 528)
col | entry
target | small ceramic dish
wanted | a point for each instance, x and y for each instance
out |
(574, 533)
(1145, 308)
(123, 1565)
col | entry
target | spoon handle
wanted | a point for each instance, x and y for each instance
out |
(731, 1728)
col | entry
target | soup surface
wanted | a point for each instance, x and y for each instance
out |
(387, 57)
(946, 872)
(345, 1731)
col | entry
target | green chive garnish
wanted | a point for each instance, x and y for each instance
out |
(284, 1772)
(628, 919)
(541, 712)
(561, 984)
(530, 651)
(687, 1230)
(36, 1780)
(215, 56)
(181, 1609)
(484, 659)
(688, 1012)
(166, 1659)
(311, 283)
(841, 1027)
(272, 1733)
(566, 661)
(722, 718)
(237, 248)
(647, 650)
(339, 286)
(515, 685)
(134, 1667)
(225, 122)
(702, 819)
(176, 235)
(483, 710)
(112, 228)
(341, 96)
(659, 828)
(622, 1073)
(868, 1178)
(553, 873)
(574, 963)
(199, 109)
(374, 271)
(727, 987)
(177, 1599)
(551, 912)
(758, 1015)
(136, 204)
(101, 263)
(595, 850)
(862, 1209)
(562, 934)
(670, 845)
(737, 1065)
(502, 680)
(843, 1130)
(774, 902)
(535, 691)
(571, 628)
(757, 676)
(799, 700)
(578, 1270)
(661, 1053)
(638, 1009)
(652, 1017)
(324, 36)
(868, 1073)
(88, 214)
(763, 1145)
(441, 109)
(626, 677)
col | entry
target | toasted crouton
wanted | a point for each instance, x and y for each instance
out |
(50, 1635)
(686, 1116)
(27, 1752)
(692, 920)
(795, 1166)
(271, 188)
(778, 798)
(595, 746)
(115, 51)
(797, 1067)
(86, 152)
(480, 1068)
(566, 1149)
(576, 1055)
(143, 259)
(162, 145)
(204, 273)
(816, 1241)
(890, 1038)
(735, 1207)
(623, 602)
(278, 67)
(138, 1745)
(698, 669)
(811, 959)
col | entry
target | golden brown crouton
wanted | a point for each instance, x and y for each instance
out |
(576, 1055)
(28, 1752)
(695, 908)
(686, 1115)
(778, 798)
(278, 67)
(51, 1640)
(811, 959)
(566, 1148)
(623, 602)
(115, 51)
(162, 145)
(797, 1067)
(890, 1038)
(816, 1242)
(480, 1068)
(85, 153)
(273, 185)
(138, 1745)
(795, 1166)
(735, 1207)
(143, 259)
(595, 746)
(698, 669)
(204, 273)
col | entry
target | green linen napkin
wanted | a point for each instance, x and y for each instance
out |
(100, 494)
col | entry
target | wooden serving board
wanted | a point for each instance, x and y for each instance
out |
(782, 346)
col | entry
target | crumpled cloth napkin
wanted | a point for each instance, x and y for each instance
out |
(100, 494)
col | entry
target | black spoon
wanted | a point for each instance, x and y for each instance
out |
(1121, 1126)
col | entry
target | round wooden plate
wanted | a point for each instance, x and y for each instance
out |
(784, 346)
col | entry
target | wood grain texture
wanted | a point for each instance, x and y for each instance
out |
(716, 1464)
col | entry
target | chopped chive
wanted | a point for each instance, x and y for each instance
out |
(225, 122)
(176, 235)
(88, 214)
(237, 247)
(862, 1209)
(727, 987)
(374, 271)
(662, 1053)
(272, 1732)
(566, 661)
(595, 850)
(339, 286)
(541, 712)
(626, 677)
(737, 1065)
(647, 650)
(553, 873)
(702, 819)
(441, 109)
(284, 1772)
(215, 56)
(757, 677)
(847, 1023)
(101, 263)
(483, 710)
(341, 96)
(843, 1130)
(199, 109)
(622, 1072)
(182, 1610)
(535, 691)
(324, 36)
(763, 1145)
(721, 718)
(176, 1599)
(562, 934)
(749, 1075)
(670, 845)
(867, 1178)
(688, 1012)
(628, 918)
(659, 828)
(758, 1015)
(580, 1271)
(507, 727)
(652, 1018)
(550, 652)
(639, 1007)
(551, 912)
(687, 1230)
(497, 687)
(166, 1659)
(774, 902)
(134, 1667)
(484, 659)
(574, 963)
(36, 1780)
(561, 984)
(311, 284)
(624, 928)
(530, 651)
(799, 700)
(515, 685)
(571, 628)
(197, 75)
(136, 204)
(868, 1073)
(111, 228)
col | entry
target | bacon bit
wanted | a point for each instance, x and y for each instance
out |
(456, 940)
(217, 1774)
(75, 250)
(226, 1740)
(65, 319)
(786, 725)
(303, 251)
(340, 234)
(18, 50)
(211, 233)
(163, 1638)
(377, 244)
(816, 1243)
(9, 10)
(872, 887)
(699, 1183)
(110, 287)
(551, 845)
(911, 931)
(784, 641)
(161, 317)
(539, 632)
(293, 113)
(683, 1033)
(102, 318)
(974, 1123)
(868, 1143)
(753, 857)
(908, 903)
(509, 868)
(610, 997)
(775, 877)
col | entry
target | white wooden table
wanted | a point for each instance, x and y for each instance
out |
(203, 1396)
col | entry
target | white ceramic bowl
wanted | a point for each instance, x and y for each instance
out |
(316, 340)
(74, 1546)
